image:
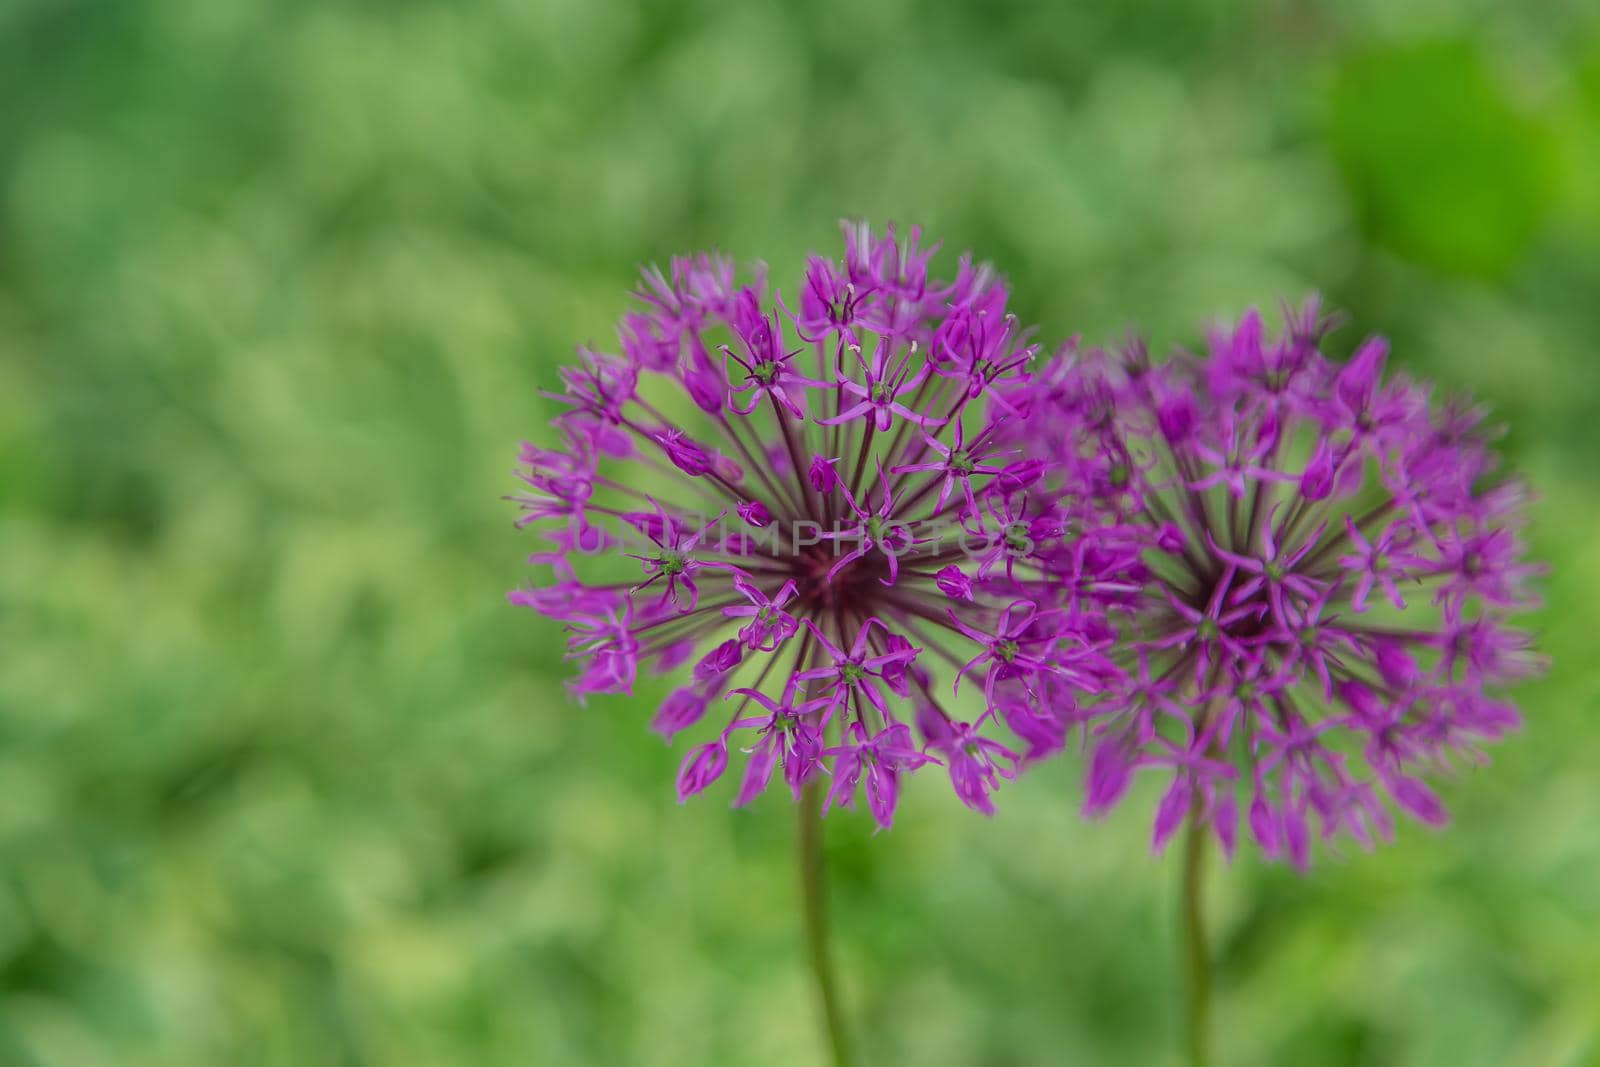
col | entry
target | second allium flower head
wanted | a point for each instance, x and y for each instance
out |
(828, 525)
(874, 538)
(1327, 565)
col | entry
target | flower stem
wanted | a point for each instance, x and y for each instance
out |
(1196, 963)
(813, 891)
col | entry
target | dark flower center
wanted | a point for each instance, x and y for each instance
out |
(855, 587)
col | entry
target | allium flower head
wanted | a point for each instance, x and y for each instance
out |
(827, 534)
(1325, 564)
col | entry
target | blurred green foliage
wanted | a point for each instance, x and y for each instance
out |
(283, 781)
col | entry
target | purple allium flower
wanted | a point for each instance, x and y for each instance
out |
(833, 514)
(1318, 564)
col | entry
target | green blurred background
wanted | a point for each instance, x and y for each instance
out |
(283, 780)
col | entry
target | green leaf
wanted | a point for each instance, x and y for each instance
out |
(1443, 169)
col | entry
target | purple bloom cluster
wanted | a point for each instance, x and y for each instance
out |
(778, 466)
(1281, 581)
(1321, 564)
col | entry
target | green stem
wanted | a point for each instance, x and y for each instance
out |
(813, 891)
(1196, 963)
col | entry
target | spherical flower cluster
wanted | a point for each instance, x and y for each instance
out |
(828, 536)
(1324, 565)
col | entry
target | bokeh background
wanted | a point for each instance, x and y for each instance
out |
(285, 781)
